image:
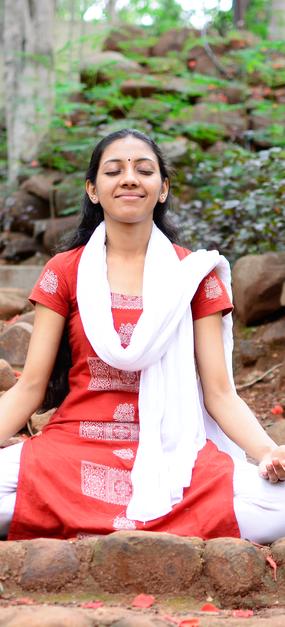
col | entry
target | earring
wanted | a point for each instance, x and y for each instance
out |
(94, 199)
(163, 197)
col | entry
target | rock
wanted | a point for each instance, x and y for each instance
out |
(275, 333)
(250, 352)
(282, 297)
(12, 556)
(257, 285)
(105, 65)
(69, 193)
(27, 317)
(21, 209)
(280, 383)
(14, 342)
(13, 301)
(38, 421)
(141, 87)
(58, 228)
(176, 149)
(234, 566)
(7, 376)
(173, 39)
(45, 616)
(153, 110)
(233, 122)
(277, 431)
(17, 246)
(38, 259)
(49, 564)
(127, 36)
(199, 61)
(42, 185)
(127, 556)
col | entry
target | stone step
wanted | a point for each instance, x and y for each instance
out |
(235, 573)
(23, 277)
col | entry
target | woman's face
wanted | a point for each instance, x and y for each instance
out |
(128, 183)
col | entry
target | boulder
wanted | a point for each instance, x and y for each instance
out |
(104, 65)
(232, 121)
(275, 333)
(38, 421)
(7, 376)
(176, 149)
(21, 209)
(173, 40)
(13, 301)
(42, 185)
(249, 352)
(126, 36)
(14, 342)
(257, 285)
(56, 229)
(17, 246)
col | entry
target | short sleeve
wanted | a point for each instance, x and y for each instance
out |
(210, 297)
(51, 289)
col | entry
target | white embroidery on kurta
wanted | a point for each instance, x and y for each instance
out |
(121, 522)
(92, 430)
(123, 301)
(105, 483)
(105, 377)
(124, 412)
(124, 453)
(49, 282)
(125, 332)
(212, 288)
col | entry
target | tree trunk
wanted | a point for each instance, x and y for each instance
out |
(239, 8)
(28, 77)
(110, 10)
(277, 21)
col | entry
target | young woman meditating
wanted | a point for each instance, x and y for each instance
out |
(150, 433)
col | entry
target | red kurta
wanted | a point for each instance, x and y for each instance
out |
(75, 478)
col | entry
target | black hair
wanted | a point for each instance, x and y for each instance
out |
(91, 216)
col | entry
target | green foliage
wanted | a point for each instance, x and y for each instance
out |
(257, 17)
(238, 203)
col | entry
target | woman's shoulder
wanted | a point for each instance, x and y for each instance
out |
(67, 261)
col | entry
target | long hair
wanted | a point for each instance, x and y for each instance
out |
(91, 216)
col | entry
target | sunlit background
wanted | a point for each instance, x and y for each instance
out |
(197, 16)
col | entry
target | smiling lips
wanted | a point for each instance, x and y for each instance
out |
(130, 196)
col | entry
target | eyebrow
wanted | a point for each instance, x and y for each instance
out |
(136, 160)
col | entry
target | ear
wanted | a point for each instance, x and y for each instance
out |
(164, 190)
(91, 191)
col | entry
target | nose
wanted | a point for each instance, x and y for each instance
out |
(129, 176)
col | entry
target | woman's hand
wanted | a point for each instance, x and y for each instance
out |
(272, 466)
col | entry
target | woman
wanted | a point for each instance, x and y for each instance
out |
(131, 445)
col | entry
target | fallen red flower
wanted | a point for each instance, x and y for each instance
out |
(92, 604)
(143, 601)
(209, 607)
(242, 613)
(189, 622)
(273, 565)
(277, 410)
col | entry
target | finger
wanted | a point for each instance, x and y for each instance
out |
(278, 469)
(271, 473)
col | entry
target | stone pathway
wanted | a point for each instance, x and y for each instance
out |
(93, 581)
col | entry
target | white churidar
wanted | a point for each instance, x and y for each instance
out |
(173, 422)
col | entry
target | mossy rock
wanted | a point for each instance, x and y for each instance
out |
(150, 109)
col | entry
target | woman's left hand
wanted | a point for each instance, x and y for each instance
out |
(272, 466)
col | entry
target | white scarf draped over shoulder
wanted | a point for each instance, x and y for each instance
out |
(174, 424)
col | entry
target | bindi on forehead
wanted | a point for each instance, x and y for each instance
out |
(118, 160)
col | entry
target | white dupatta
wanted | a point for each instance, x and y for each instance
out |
(173, 421)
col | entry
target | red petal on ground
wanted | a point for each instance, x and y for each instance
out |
(209, 607)
(242, 613)
(92, 605)
(24, 601)
(277, 409)
(273, 565)
(17, 373)
(189, 622)
(143, 600)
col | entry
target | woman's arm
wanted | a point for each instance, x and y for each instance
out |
(25, 397)
(225, 406)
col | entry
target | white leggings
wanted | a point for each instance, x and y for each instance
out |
(259, 505)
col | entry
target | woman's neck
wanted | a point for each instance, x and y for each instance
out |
(127, 240)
